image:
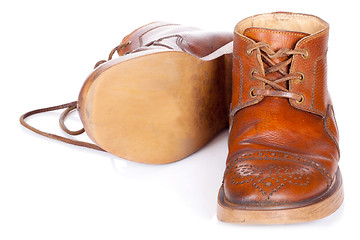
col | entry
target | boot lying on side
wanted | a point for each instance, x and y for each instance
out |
(283, 157)
(164, 98)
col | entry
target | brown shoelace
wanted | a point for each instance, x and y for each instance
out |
(69, 107)
(115, 49)
(273, 87)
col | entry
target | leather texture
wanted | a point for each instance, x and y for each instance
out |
(282, 152)
(175, 37)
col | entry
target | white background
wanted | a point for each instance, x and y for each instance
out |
(51, 190)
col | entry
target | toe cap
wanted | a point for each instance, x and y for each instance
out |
(270, 178)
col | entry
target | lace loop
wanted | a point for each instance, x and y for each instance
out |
(112, 52)
(62, 120)
(54, 136)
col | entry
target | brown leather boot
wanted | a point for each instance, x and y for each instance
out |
(283, 157)
(164, 98)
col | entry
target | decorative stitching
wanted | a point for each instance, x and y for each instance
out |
(274, 31)
(241, 76)
(249, 103)
(315, 80)
(270, 178)
(276, 155)
(311, 37)
(326, 125)
(294, 64)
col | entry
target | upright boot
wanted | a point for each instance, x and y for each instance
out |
(164, 98)
(283, 157)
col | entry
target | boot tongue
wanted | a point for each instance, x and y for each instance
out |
(276, 39)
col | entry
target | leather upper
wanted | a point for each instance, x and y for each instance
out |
(175, 37)
(281, 151)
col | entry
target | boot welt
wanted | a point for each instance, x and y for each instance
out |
(318, 208)
(156, 107)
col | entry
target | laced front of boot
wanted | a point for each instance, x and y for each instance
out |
(273, 87)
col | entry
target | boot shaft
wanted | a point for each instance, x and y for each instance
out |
(280, 99)
(301, 33)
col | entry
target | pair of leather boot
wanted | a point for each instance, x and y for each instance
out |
(169, 93)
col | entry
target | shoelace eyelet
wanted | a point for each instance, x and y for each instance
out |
(252, 72)
(302, 76)
(251, 93)
(302, 99)
(249, 53)
(306, 54)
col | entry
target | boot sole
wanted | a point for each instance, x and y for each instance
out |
(322, 207)
(156, 108)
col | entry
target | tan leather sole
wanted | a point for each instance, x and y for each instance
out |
(156, 108)
(322, 207)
